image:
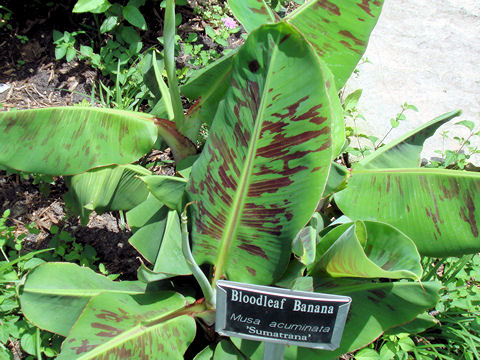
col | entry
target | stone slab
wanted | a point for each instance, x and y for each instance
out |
(426, 53)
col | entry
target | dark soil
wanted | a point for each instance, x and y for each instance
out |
(31, 76)
(27, 65)
(28, 205)
(33, 79)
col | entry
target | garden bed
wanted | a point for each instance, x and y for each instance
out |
(227, 204)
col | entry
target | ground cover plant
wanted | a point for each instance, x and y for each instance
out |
(16, 261)
(256, 203)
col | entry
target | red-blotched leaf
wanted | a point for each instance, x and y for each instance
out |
(118, 326)
(337, 30)
(252, 14)
(266, 161)
(438, 209)
(181, 146)
(55, 294)
(72, 140)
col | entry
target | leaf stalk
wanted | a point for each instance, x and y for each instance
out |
(208, 291)
(169, 43)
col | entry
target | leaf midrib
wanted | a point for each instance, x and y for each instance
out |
(299, 10)
(80, 293)
(419, 171)
(355, 288)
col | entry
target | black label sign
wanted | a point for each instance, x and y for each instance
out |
(271, 314)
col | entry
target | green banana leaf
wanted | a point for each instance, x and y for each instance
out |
(267, 158)
(304, 244)
(418, 325)
(205, 354)
(225, 350)
(337, 30)
(55, 294)
(184, 167)
(121, 326)
(337, 179)
(236, 348)
(147, 65)
(169, 31)
(147, 222)
(168, 189)
(252, 14)
(376, 307)
(368, 250)
(404, 152)
(294, 270)
(157, 236)
(170, 257)
(72, 140)
(146, 275)
(208, 86)
(438, 209)
(107, 189)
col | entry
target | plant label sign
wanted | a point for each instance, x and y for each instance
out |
(264, 313)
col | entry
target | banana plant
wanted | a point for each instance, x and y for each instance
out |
(248, 204)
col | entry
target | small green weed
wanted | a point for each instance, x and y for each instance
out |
(352, 114)
(220, 26)
(13, 327)
(20, 63)
(67, 248)
(23, 39)
(41, 181)
(361, 144)
(458, 334)
(363, 60)
(216, 14)
(460, 157)
(113, 48)
(5, 17)
(198, 56)
(283, 7)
